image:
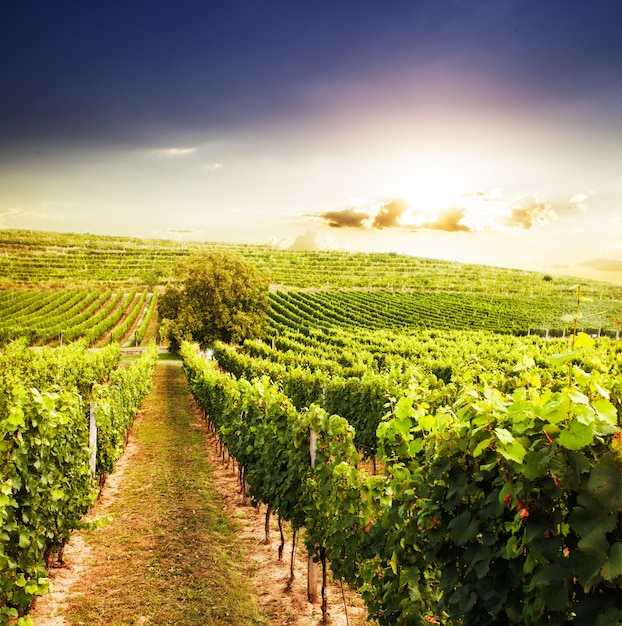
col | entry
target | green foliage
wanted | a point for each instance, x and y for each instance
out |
(412, 311)
(46, 486)
(46, 483)
(499, 500)
(261, 429)
(52, 317)
(119, 331)
(148, 314)
(506, 509)
(220, 297)
(115, 405)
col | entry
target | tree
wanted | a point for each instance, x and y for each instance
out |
(219, 296)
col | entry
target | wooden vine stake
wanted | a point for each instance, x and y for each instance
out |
(92, 439)
(311, 564)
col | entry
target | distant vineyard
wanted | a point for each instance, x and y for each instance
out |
(412, 311)
(30, 258)
(55, 316)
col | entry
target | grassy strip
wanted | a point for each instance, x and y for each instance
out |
(170, 555)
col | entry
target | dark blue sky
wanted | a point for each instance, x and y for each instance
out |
(122, 71)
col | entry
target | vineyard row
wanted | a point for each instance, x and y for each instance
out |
(49, 471)
(494, 508)
(66, 315)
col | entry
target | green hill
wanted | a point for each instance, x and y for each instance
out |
(29, 258)
(402, 291)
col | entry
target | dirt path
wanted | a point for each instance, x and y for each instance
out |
(181, 546)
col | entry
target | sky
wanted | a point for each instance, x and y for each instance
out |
(484, 131)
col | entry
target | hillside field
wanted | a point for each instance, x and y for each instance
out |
(374, 290)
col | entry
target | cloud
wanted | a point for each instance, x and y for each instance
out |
(603, 265)
(180, 234)
(170, 152)
(16, 212)
(397, 215)
(212, 167)
(347, 218)
(578, 201)
(384, 215)
(448, 220)
(56, 203)
(309, 240)
(389, 214)
(529, 212)
(494, 194)
(480, 210)
(6, 214)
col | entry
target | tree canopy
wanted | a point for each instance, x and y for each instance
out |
(220, 296)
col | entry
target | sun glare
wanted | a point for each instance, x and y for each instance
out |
(434, 184)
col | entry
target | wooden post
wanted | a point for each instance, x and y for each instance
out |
(92, 439)
(311, 564)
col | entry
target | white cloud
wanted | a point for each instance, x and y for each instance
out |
(477, 211)
(212, 167)
(7, 214)
(309, 240)
(170, 152)
(18, 213)
(493, 194)
(578, 200)
(529, 211)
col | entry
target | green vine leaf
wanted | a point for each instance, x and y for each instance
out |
(605, 483)
(612, 569)
(463, 528)
(576, 436)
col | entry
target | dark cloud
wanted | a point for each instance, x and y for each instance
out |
(397, 215)
(448, 220)
(389, 214)
(348, 218)
(529, 212)
(386, 216)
